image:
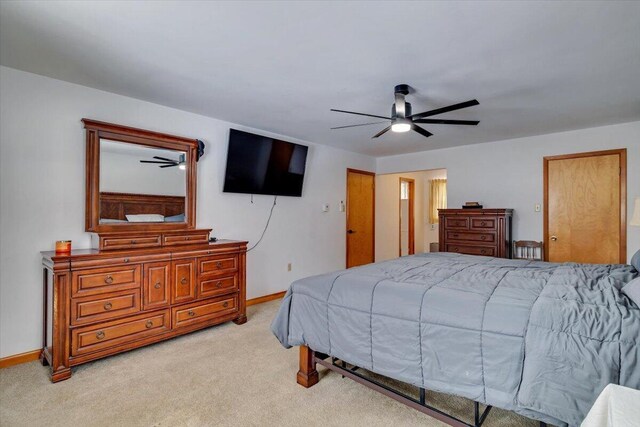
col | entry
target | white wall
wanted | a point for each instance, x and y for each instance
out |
(508, 174)
(388, 211)
(42, 154)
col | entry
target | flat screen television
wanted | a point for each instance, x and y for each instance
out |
(261, 165)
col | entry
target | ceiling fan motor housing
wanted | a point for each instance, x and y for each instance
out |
(407, 110)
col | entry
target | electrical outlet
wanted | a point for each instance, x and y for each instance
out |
(537, 207)
(341, 206)
(289, 267)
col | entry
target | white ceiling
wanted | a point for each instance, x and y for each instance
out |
(536, 68)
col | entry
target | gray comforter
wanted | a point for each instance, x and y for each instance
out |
(537, 338)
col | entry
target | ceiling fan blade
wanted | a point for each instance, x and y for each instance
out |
(169, 166)
(382, 132)
(155, 161)
(352, 126)
(447, 122)
(421, 131)
(164, 158)
(446, 109)
(361, 114)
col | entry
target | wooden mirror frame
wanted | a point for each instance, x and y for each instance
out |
(95, 131)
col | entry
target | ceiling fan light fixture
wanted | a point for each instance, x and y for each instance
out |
(401, 125)
(182, 167)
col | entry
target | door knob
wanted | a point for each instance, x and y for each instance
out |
(554, 238)
(350, 231)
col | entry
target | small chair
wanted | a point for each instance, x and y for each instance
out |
(528, 249)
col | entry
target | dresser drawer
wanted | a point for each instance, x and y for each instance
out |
(110, 334)
(472, 250)
(220, 285)
(187, 238)
(472, 237)
(204, 311)
(484, 223)
(453, 223)
(104, 307)
(130, 242)
(108, 279)
(217, 264)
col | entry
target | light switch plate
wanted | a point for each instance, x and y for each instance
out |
(537, 207)
(325, 207)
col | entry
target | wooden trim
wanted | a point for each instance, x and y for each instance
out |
(622, 152)
(17, 359)
(96, 130)
(265, 298)
(373, 208)
(411, 208)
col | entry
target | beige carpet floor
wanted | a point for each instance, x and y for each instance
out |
(224, 376)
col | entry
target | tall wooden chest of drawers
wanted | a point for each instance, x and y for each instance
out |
(476, 231)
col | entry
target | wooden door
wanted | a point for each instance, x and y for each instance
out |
(585, 207)
(183, 274)
(155, 286)
(406, 217)
(360, 217)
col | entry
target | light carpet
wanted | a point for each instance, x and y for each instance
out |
(228, 375)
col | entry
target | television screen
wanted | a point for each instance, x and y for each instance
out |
(262, 165)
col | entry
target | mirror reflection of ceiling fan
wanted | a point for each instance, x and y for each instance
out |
(402, 119)
(168, 163)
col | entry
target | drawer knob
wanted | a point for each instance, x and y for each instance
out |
(108, 306)
(482, 223)
(157, 285)
(149, 324)
(225, 304)
(133, 242)
(108, 280)
(218, 264)
(483, 252)
(219, 284)
(126, 260)
(483, 237)
(455, 235)
(100, 335)
(183, 280)
(191, 313)
(186, 237)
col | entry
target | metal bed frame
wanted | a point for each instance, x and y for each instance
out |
(341, 367)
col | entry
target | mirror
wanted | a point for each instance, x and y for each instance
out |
(138, 180)
(141, 184)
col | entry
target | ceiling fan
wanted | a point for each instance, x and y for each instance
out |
(168, 163)
(403, 121)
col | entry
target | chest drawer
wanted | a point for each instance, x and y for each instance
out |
(182, 239)
(104, 307)
(483, 223)
(206, 310)
(110, 334)
(220, 285)
(108, 279)
(129, 242)
(453, 223)
(471, 250)
(217, 264)
(489, 238)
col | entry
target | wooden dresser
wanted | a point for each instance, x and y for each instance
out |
(98, 303)
(476, 231)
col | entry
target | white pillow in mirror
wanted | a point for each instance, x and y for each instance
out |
(145, 218)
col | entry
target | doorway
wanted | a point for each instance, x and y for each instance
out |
(406, 217)
(585, 207)
(360, 217)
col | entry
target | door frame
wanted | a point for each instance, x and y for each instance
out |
(622, 152)
(411, 219)
(373, 208)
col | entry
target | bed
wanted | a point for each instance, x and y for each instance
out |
(540, 339)
(115, 207)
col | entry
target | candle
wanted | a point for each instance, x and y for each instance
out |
(63, 247)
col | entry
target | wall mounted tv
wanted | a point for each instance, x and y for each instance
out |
(261, 165)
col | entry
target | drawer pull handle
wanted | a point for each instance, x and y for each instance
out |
(108, 306)
(225, 304)
(483, 252)
(219, 284)
(183, 280)
(483, 237)
(157, 285)
(482, 223)
(455, 235)
(100, 335)
(133, 242)
(218, 264)
(186, 238)
(191, 313)
(108, 280)
(126, 260)
(149, 324)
